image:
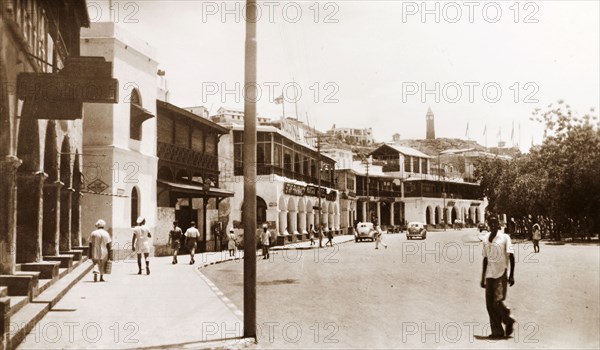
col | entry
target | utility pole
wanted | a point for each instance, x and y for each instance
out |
(249, 158)
(319, 192)
(369, 218)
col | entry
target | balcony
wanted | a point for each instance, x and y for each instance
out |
(265, 169)
(186, 156)
(391, 167)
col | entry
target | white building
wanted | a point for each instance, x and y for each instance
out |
(120, 162)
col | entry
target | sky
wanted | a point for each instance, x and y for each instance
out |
(480, 66)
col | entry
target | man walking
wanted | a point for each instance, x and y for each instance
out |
(141, 244)
(265, 239)
(329, 237)
(175, 240)
(100, 249)
(378, 238)
(191, 239)
(497, 254)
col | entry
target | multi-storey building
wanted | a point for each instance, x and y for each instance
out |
(287, 185)
(188, 176)
(44, 82)
(120, 139)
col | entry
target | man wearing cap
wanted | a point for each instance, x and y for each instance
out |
(497, 254)
(265, 239)
(191, 239)
(141, 244)
(231, 243)
(100, 249)
(175, 240)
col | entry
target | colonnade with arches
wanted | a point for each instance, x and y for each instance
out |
(297, 214)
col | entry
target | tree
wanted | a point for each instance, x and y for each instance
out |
(557, 180)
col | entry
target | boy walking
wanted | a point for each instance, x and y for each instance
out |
(175, 240)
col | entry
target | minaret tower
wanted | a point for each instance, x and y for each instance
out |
(430, 125)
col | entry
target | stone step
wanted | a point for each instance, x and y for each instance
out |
(3, 292)
(57, 290)
(47, 269)
(77, 254)
(21, 283)
(84, 249)
(22, 322)
(16, 304)
(66, 260)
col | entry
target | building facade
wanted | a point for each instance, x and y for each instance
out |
(353, 136)
(188, 176)
(287, 188)
(120, 166)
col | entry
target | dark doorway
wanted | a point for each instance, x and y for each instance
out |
(261, 210)
(135, 206)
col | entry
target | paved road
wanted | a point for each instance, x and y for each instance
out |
(418, 294)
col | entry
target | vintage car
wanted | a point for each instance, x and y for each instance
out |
(364, 230)
(416, 229)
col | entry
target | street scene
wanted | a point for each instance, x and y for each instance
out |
(208, 175)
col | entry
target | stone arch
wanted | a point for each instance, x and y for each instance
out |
(134, 205)
(453, 214)
(302, 228)
(330, 216)
(292, 216)
(438, 215)
(65, 195)
(310, 217)
(282, 204)
(261, 210)
(51, 193)
(336, 216)
(28, 145)
(428, 215)
(165, 173)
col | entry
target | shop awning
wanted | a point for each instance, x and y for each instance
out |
(195, 191)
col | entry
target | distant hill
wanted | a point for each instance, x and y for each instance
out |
(431, 147)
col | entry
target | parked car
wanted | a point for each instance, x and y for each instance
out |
(416, 229)
(364, 230)
(482, 226)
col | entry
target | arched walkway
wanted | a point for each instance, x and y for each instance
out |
(76, 203)
(438, 215)
(428, 215)
(302, 216)
(292, 216)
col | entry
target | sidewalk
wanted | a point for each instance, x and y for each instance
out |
(174, 306)
(307, 245)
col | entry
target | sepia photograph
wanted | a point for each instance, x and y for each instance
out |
(312, 174)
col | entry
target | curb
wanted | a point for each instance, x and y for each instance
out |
(229, 344)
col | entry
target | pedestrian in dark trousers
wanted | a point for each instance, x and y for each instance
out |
(265, 240)
(497, 254)
(329, 237)
(175, 236)
(191, 240)
(536, 237)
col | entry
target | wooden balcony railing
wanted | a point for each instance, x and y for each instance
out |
(186, 156)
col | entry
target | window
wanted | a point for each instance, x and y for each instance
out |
(407, 163)
(416, 165)
(137, 116)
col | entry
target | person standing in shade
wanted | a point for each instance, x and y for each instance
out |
(100, 249)
(497, 254)
(265, 240)
(191, 239)
(232, 242)
(536, 237)
(141, 244)
(175, 236)
(378, 238)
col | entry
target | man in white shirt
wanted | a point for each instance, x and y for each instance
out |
(140, 243)
(497, 254)
(265, 239)
(191, 239)
(100, 249)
